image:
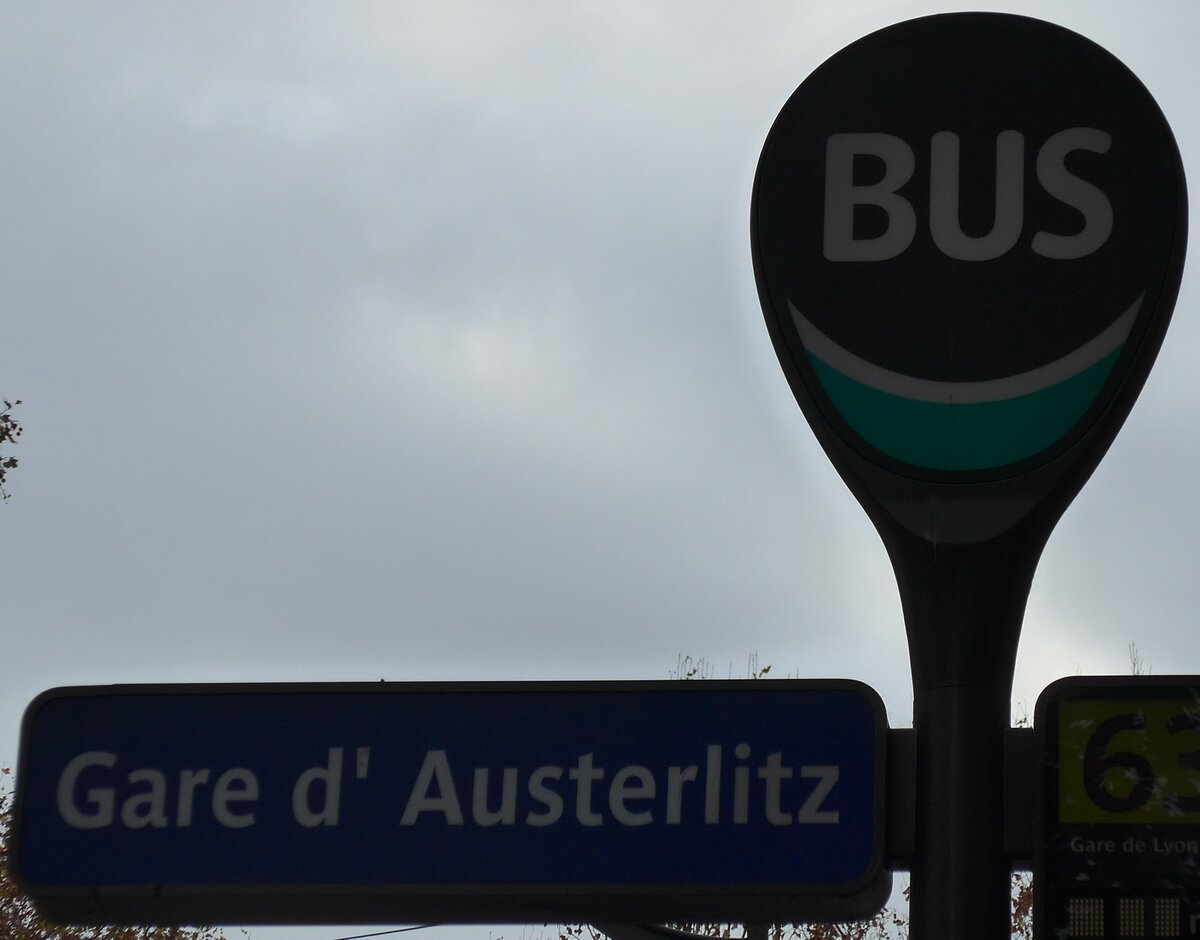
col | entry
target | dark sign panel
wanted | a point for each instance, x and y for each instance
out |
(636, 802)
(968, 234)
(1119, 854)
(966, 227)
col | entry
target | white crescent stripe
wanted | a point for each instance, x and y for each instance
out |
(965, 393)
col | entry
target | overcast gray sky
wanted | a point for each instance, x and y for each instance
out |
(419, 340)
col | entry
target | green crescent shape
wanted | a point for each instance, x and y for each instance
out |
(962, 426)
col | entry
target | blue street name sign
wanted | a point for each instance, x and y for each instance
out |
(459, 802)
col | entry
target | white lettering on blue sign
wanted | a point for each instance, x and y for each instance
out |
(95, 792)
(149, 805)
(634, 796)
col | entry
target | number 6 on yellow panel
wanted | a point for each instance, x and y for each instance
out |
(1129, 761)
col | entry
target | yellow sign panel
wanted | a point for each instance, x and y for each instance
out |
(1129, 761)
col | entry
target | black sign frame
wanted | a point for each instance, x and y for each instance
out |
(165, 900)
(1114, 873)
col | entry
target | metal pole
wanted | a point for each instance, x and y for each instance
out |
(963, 606)
(960, 875)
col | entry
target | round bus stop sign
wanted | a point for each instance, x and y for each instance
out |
(968, 234)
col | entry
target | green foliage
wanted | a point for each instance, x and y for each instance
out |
(10, 430)
(20, 921)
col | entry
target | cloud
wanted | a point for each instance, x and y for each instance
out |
(420, 340)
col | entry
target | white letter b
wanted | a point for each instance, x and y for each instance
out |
(841, 196)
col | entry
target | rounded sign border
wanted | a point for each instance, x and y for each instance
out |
(1106, 408)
